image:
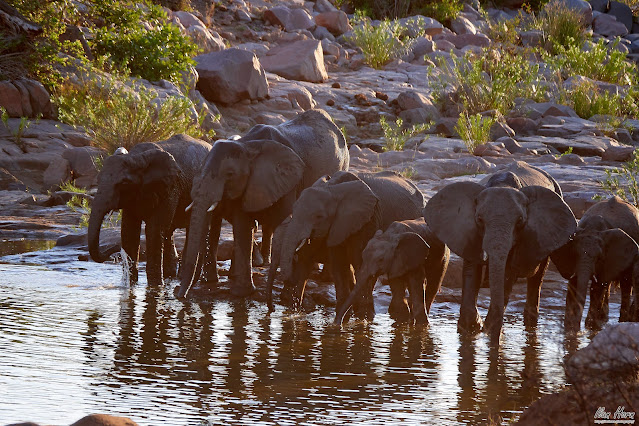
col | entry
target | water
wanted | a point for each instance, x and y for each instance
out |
(75, 341)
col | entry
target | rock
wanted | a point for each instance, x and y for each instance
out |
(60, 198)
(10, 99)
(462, 25)
(422, 46)
(534, 110)
(77, 139)
(82, 162)
(230, 76)
(104, 420)
(187, 19)
(336, 22)
(499, 130)
(599, 5)
(522, 125)
(444, 45)
(622, 12)
(58, 172)
(301, 60)
(580, 6)
(289, 19)
(322, 6)
(607, 25)
(532, 38)
(491, 149)
(257, 48)
(431, 26)
(419, 115)
(463, 40)
(8, 182)
(412, 99)
(512, 145)
(208, 41)
(584, 145)
(243, 16)
(612, 354)
(445, 126)
(40, 99)
(25, 102)
(618, 153)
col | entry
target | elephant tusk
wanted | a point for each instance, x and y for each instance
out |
(484, 256)
(189, 207)
(212, 207)
(299, 247)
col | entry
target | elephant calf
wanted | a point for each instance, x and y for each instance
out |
(511, 221)
(151, 184)
(602, 251)
(409, 254)
(338, 216)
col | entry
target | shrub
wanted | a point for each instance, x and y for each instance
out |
(622, 181)
(442, 10)
(81, 205)
(382, 43)
(562, 26)
(488, 81)
(474, 129)
(117, 117)
(598, 63)
(587, 100)
(395, 136)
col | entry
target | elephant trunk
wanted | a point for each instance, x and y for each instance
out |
(196, 242)
(498, 246)
(577, 291)
(99, 209)
(296, 238)
(364, 281)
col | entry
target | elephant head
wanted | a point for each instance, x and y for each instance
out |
(326, 214)
(513, 229)
(595, 252)
(255, 174)
(391, 253)
(133, 181)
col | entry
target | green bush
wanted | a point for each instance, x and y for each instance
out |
(442, 10)
(598, 63)
(561, 26)
(379, 44)
(474, 129)
(396, 136)
(491, 80)
(117, 117)
(587, 100)
(622, 181)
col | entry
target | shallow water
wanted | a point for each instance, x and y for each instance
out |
(75, 341)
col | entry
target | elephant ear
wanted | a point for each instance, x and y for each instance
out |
(275, 171)
(549, 226)
(356, 205)
(410, 253)
(565, 259)
(158, 167)
(619, 251)
(450, 214)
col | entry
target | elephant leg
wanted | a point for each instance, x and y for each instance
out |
(435, 272)
(154, 247)
(130, 235)
(344, 282)
(598, 312)
(469, 319)
(170, 256)
(533, 289)
(242, 255)
(398, 308)
(208, 258)
(417, 297)
(575, 303)
(626, 291)
(265, 249)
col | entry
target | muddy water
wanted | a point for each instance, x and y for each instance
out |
(74, 340)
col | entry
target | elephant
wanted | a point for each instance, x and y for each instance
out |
(257, 178)
(511, 221)
(409, 254)
(338, 215)
(151, 184)
(603, 250)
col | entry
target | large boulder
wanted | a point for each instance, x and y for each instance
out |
(622, 12)
(82, 162)
(289, 19)
(207, 40)
(301, 60)
(25, 98)
(607, 25)
(10, 99)
(230, 76)
(336, 22)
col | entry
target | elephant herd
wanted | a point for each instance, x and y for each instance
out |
(293, 180)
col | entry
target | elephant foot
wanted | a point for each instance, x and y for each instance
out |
(258, 260)
(530, 318)
(365, 311)
(133, 276)
(594, 323)
(493, 324)
(470, 324)
(239, 289)
(170, 271)
(421, 319)
(399, 310)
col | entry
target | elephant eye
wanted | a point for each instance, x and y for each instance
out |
(479, 220)
(520, 221)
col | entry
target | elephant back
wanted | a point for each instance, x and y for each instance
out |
(188, 152)
(521, 174)
(617, 213)
(314, 137)
(399, 199)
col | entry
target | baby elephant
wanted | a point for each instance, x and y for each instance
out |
(408, 253)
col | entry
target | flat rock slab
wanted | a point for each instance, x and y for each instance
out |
(581, 145)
